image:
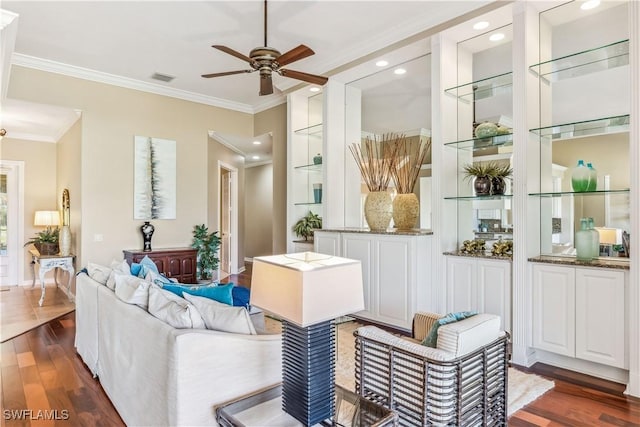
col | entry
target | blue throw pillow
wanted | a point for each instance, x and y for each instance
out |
(222, 293)
(431, 340)
(148, 265)
(135, 268)
(240, 296)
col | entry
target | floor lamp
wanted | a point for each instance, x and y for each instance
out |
(308, 291)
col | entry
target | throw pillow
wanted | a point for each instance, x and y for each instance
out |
(117, 266)
(220, 293)
(240, 296)
(222, 317)
(431, 340)
(132, 289)
(158, 279)
(173, 310)
(135, 268)
(98, 272)
(147, 265)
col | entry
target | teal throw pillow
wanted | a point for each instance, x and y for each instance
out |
(220, 293)
(431, 339)
(135, 268)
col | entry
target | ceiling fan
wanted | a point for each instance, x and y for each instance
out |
(268, 60)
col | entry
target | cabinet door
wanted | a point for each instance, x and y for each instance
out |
(554, 309)
(461, 284)
(600, 314)
(494, 290)
(174, 266)
(360, 247)
(393, 278)
(327, 243)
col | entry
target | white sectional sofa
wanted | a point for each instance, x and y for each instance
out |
(157, 375)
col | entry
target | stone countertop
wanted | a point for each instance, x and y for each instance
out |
(615, 263)
(389, 231)
(485, 255)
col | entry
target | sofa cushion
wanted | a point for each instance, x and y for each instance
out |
(147, 265)
(431, 340)
(222, 317)
(117, 266)
(132, 289)
(98, 272)
(240, 296)
(173, 310)
(220, 293)
(135, 268)
(158, 279)
(470, 334)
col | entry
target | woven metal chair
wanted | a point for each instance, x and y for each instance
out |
(462, 382)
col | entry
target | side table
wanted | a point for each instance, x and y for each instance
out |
(51, 262)
(264, 408)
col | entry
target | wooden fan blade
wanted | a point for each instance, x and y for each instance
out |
(299, 75)
(232, 52)
(227, 73)
(266, 85)
(295, 54)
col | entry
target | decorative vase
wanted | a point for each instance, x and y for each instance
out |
(486, 130)
(482, 185)
(147, 230)
(580, 177)
(584, 242)
(595, 238)
(317, 193)
(498, 185)
(65, 240)
(378, 210)
(593, 178)
(317, 160)
(406, 208)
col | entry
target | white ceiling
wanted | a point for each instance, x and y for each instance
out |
(125, 42)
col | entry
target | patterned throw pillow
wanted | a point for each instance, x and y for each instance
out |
(431, 339)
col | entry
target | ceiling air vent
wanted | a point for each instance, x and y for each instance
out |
(162, 77)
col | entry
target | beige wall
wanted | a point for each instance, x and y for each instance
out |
(111, 117)
(274, 120)
(39, 185)
(258, 218)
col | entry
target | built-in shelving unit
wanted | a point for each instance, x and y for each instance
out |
(484, 88)
(603, 126)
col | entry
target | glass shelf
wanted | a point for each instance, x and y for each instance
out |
(579, 64)
(307, 203)
(314, 130)
(474, 198)
(483, 143)
(311, 167)
(585, 128)
(579, 193)
(485, 88)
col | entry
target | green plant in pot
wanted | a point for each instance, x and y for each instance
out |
(207, 245)
(46, 241)
(305, 225)
(482, 174)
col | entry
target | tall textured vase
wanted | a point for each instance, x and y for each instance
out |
(378, 209)
(406, 208)
(65, 240)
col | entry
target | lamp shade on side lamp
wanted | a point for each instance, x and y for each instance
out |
(308, 291)
(46, 219)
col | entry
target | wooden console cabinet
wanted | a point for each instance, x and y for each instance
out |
(175, 263)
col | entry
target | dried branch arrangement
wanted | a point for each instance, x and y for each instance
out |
(375, 159)
(409, 155)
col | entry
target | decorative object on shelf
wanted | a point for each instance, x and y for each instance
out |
(593, 178)
(503, 130)
(409, 156)
(317, 193)
(475, 246)
(586, 240)
(301, 289)
(375, 159)
(154, 178)
(147, 230)
(499, 177)
(46, 241)
(482, 173)
(502, 248)
(65, 230)
(317, 159)
(207, 245)
(486, 130)
(305, 225)
(580, 177)
(626, 243)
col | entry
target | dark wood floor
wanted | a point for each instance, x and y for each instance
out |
(42, 373)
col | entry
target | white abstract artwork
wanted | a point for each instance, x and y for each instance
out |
(155, 178)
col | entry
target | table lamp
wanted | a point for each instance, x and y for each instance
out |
(308, 291)
(46, 219)
(608, 238)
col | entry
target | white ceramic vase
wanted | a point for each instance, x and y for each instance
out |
(406, 208)
(64, 240)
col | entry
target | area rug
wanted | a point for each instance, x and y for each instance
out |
(523, 388)
(20, 312)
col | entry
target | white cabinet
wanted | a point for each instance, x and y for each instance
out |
(580, 312)
(480, 284)
(395, 271)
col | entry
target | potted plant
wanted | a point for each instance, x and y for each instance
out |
(207, 245)
(305, 225)
(46, 241)
(483, 173)
(500, 174)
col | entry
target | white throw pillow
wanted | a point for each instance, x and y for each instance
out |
(132, 289)
(117, 266)
(173, 310)
(222, 317)
(98, 272)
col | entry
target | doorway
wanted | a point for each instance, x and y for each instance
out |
(228, 214)
(11, 221)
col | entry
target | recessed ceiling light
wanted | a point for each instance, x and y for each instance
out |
(257, 142)
(382, 63)
(315, 89)
(399, 71)
(590, 4)
(481, 25)
(496, 37)
(255, 157)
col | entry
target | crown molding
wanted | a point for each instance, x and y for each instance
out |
(222, 140)
(255, 164)
(112, 79)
